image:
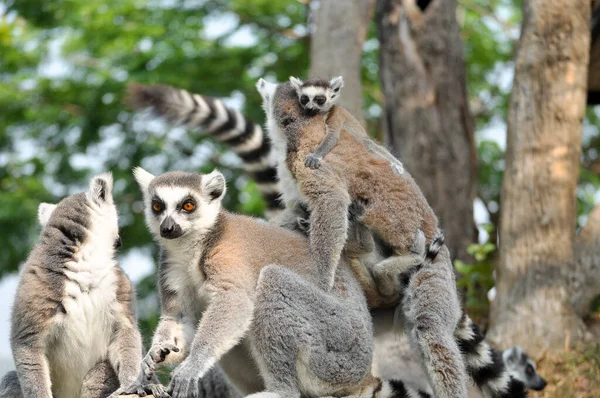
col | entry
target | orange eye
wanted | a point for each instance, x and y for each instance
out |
(189, 206)
(156, 207)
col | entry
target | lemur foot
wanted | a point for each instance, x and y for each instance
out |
(156, 354)
(142, 390)
(397, 168)
(313, 161)
(418, 246)
(185, 381)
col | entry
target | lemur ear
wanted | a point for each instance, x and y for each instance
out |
(100, 190)
(143, 178)
(44, 212)
(512, 354)
(296, 83)
(213, 185)
(265, 88)
(336, 83)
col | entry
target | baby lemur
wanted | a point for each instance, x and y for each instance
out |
(74, 332)
(227, 280)
(395, 210)
(318, 96)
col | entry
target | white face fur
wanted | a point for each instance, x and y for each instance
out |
(318, 98)
(185, 206)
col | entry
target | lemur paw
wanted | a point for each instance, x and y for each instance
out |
(142, 390)
(156, 354)
(418, 246)
(397, 168)
(313, 161)
(185, 381)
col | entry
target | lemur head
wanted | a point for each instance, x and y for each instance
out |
(318, 95)
(522, 368)
(85, 218)
(177, 203)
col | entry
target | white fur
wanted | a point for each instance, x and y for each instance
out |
(238, 128)
(252, 143)
(221, 116)
(312, 91)
(83, 334)
(44, 212)
(201, 113)
(143, 178)
(481, 358)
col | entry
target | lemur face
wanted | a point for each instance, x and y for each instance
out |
(177, 203)
(317, 95)
(522, 368)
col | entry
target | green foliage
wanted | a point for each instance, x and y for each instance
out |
(477, 278)
(64, 67)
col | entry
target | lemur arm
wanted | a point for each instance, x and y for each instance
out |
(224, 323)
(30, 330)
(125, 350)
(329, 225)
(313, 159)
(175, 330)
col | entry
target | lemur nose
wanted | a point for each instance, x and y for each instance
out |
(169, 229)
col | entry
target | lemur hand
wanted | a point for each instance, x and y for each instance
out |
(185, 380)
(313, 161)
(156, 354)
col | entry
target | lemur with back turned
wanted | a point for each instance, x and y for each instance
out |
(484, 364)
(229, 281)
(73, 331)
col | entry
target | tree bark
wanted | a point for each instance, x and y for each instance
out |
(338, 33)
(427, 120)
(533, 306)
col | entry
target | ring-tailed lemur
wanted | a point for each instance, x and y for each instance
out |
(318, 96)
(219, 287)
(74, 331)
(521, 367)
(395, 210)
(226, 125)
(484, 364)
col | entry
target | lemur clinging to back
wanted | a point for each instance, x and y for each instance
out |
(318, 96)
(484, 364)
(226, 278)
(74, 331)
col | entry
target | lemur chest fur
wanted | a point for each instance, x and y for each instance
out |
(83, 325)
(184, 274)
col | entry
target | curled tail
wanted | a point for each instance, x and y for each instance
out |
(485, 364)
(435, 246)
(228, 126)
(398, 389)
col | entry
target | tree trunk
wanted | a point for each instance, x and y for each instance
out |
(533, 306)
(338, 34)
(427, 120)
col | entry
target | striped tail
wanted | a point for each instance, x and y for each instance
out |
(485, 364)
(228, 126)
(398, 389)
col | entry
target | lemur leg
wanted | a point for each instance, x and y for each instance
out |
(380, 150)
(100, 381)
(308, 339)
(10, 386)
(387, 272)
(432, 311)
(313, 160)
(328, 229)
